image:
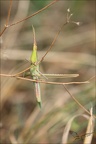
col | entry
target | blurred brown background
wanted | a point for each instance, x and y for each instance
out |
(73, 52)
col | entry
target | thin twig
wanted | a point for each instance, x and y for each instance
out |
(40, 81)
(56, 36)
(49, 82)
(15, 75)
(7, 26)
(54, 40)
(92, 78)
(10, 6)
(8, 17)
(54, 83)
(3, 30)
(6, 75)
(78, 102)
(21, 72)
(34, 13)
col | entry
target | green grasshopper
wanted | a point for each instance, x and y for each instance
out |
(36, 74)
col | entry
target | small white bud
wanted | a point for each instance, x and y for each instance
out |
(78, 23)
(68, 10)
(71, 14)
(6, 26)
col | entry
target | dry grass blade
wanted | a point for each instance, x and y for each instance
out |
(67, 128)
(90, 129)
(28, 124)
(13, 139)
